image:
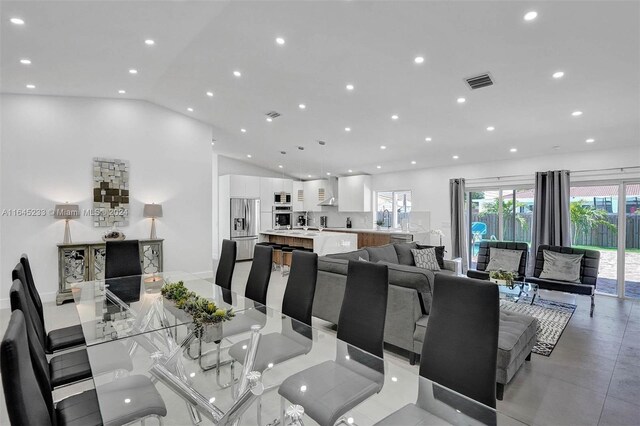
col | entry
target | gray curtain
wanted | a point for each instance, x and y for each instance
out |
(459, 225)
(551, 218)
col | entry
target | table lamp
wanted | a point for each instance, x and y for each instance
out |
(67, 212)
(152, 211)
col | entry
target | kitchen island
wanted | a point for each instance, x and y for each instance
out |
(322, 243)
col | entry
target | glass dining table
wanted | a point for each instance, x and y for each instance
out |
(234, 378)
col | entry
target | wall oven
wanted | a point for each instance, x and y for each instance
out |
(282, 198)
(282, 216)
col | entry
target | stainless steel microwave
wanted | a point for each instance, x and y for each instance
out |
(282, 198)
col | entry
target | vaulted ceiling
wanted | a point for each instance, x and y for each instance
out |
(87, 49)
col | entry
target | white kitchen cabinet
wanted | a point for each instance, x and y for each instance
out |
(244, 186)
(354, 193)
(266, 221)
(314, 193)
(266, 194)
(297, 196)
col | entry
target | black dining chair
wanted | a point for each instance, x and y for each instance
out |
(58, 339)
(295, 337)
(122, 259)
(459, 351)
(226, 266)
(68, 367)
(358, 371)
(29, 399)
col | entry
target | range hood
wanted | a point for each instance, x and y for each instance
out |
(331, 193)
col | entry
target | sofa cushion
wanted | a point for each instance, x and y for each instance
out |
(352, 255)
(426, 258)
(336, 266)
(503, 259)
(386, 253)
(403, 250)
(439, 253)
(412, 277)
(516, 330)
(561, 266)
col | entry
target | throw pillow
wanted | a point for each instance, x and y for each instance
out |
(362, 259)
(440, 251)
(503, 259)
(561, 266)
(426, 258)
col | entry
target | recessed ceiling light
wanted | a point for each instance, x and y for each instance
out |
(25, 61)
(347, 129)
(127, 400)
(590, 140)
(427, 139)
(302, 106)
(556, 147)
(349, 86)
(490, 129)
(210, 94)
(149, 42)
(328, 173)
(269, 119)
(413, 162)
(248, 155)
(558, 74)
(280, 41)
(530, 16)
(122, 92)
(513, 150)
(418, 59)
(17, 21)
(350, 171)
(190, 109)
(455, 157)
(576, 113)
(31, 86)
(383, 147)
(133, 71)
(280, 166)
(213, 143)
(394, 117)
(243, 130)
(378, 167)
(237, 73)
(308, 175)
(461, 100)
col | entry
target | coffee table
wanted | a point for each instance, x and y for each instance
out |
(518, 290)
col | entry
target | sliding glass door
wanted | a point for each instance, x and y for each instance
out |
(632, 240)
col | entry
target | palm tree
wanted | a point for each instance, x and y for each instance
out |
(585, 218)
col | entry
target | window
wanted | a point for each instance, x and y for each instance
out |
(392, 208)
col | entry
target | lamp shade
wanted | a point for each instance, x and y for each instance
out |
(66, 211)
(152, 210)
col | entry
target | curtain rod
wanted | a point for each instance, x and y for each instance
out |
(621, 169)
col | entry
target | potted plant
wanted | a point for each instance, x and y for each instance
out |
(187, 306)
(379, 223)
(502, 277)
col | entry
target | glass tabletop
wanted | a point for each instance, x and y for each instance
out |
(253, 363)
(117, 308)
(518, 290)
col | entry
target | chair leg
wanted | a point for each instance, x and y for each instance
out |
(499, 391)
(283, 411)
(593, 304)
(528, 358)
(412, 358)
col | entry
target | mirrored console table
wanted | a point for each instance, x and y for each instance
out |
(84, 261)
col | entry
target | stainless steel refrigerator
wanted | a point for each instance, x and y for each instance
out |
(245, 225)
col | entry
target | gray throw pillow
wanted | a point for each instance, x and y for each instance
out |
(426, 259)
(561, 266)
(504, 259)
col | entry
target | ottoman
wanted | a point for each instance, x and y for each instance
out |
(516, 339)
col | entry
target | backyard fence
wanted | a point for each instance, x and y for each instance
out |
(599, 236)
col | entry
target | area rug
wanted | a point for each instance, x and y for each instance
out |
(552, 319)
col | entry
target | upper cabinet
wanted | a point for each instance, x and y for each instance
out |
(244, 186)
(297, 196)
(314, 193)
(354, 193)
(268, 189)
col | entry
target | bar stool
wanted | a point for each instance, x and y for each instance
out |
(277, 255)
(285, 260)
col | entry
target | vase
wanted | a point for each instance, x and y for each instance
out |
(178, 313)
(211, 332)
(499, 282)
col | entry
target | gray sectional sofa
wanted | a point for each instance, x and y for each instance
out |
(409, 289)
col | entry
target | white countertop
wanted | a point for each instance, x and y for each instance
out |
(325, 242)
(376, 231)
(299, 233)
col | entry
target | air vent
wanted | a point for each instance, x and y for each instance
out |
(321, 194)
(273, 114)
(479, 81)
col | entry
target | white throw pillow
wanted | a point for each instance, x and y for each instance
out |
(504, 260)
(362, 259)
(426, 258)
(561, 266)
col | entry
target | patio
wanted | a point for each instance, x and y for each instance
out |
(608, 272)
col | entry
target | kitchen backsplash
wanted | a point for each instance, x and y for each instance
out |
(336, 219)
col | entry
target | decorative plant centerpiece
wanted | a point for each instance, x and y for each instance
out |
(186, 305)
(501, 277)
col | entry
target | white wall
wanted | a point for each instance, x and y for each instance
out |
(430, 187)
(48, 144)
(231, 166)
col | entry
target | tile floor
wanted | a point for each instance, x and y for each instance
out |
(591, 378)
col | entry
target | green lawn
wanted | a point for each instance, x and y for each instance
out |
(606, 249)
